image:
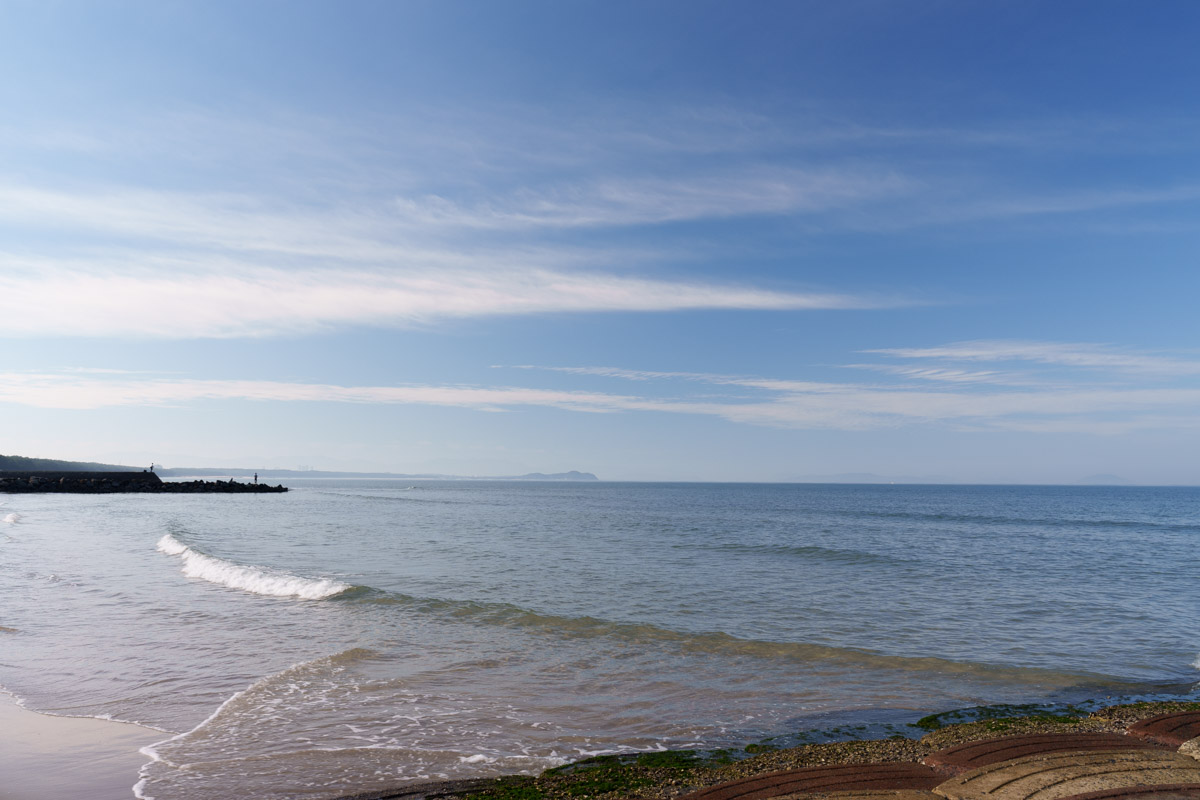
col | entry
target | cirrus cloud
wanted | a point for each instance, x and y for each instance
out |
(990, 405)
(263, 302)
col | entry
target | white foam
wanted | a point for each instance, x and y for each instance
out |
(249, 579)
(151, 751)
(171, 546)
(12, 519)
(478, 758)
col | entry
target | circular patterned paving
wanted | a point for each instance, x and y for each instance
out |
(1061, 775)
(822, 780)
(1170, 729)
(972, 755)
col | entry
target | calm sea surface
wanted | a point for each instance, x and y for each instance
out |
(352, 635)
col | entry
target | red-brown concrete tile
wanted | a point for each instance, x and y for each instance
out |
(863, 794)
(1170, 729)
(972, 755)
(1170, 791)
(812, 780)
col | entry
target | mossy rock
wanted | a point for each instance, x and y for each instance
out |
(1002, 716)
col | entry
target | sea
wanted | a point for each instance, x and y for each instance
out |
(355, 635)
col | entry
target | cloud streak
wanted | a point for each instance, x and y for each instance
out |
(957, 403)
(1066, 354)
(441, 216)
(128, 262)
(654, 201)
(264, 302)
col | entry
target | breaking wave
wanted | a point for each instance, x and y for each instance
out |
(249, 579)
(11, 519)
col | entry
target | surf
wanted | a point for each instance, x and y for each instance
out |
(257, 580)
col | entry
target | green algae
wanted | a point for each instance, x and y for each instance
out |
(1002, 716)
(649, 774)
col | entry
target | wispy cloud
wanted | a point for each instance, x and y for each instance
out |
(176, 221)
(394, 222)
(172, 264)
(652, 201)
(64, 391)
(1091, 387)
(699, 377)
(943, 374)
(1069, 354)
(964, 404)
(262, 302)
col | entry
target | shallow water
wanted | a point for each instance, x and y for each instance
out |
(356, 634)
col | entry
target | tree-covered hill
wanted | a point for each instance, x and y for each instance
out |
(25, 464)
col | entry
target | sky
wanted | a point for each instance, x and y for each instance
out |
(952, 241)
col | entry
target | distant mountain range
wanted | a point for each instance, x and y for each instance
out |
(24, 464)
(238, 472)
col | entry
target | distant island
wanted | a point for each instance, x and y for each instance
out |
(25, 464)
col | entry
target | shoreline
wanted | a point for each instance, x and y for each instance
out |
(671, 774)
(44, 755)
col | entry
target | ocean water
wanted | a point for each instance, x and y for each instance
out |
(355, 635)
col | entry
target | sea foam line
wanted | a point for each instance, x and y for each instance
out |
(249, 579)
(151, 751)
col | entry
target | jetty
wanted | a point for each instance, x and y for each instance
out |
(144, 482)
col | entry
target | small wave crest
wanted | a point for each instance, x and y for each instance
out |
(11, 519)
(805, 553)
(728, 645)
(1038, 522)
(249, 579)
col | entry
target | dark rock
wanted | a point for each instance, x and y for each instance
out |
(113, 482)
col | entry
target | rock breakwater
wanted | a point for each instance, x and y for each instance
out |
(114, 482)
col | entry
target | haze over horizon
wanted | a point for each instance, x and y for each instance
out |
(653, 241)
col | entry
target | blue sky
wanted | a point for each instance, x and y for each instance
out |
(653, 240)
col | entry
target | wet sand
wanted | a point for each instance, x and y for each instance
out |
(68, 757)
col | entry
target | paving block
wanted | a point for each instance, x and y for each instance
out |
(822, 780)
(1167, 791)
(972, 755)
(1060, 775)
(1170, 729)
(877, 794)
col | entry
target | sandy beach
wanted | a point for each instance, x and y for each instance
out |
(60, 757)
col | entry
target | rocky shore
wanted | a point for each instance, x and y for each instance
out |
(145, 482)
(669, 775)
